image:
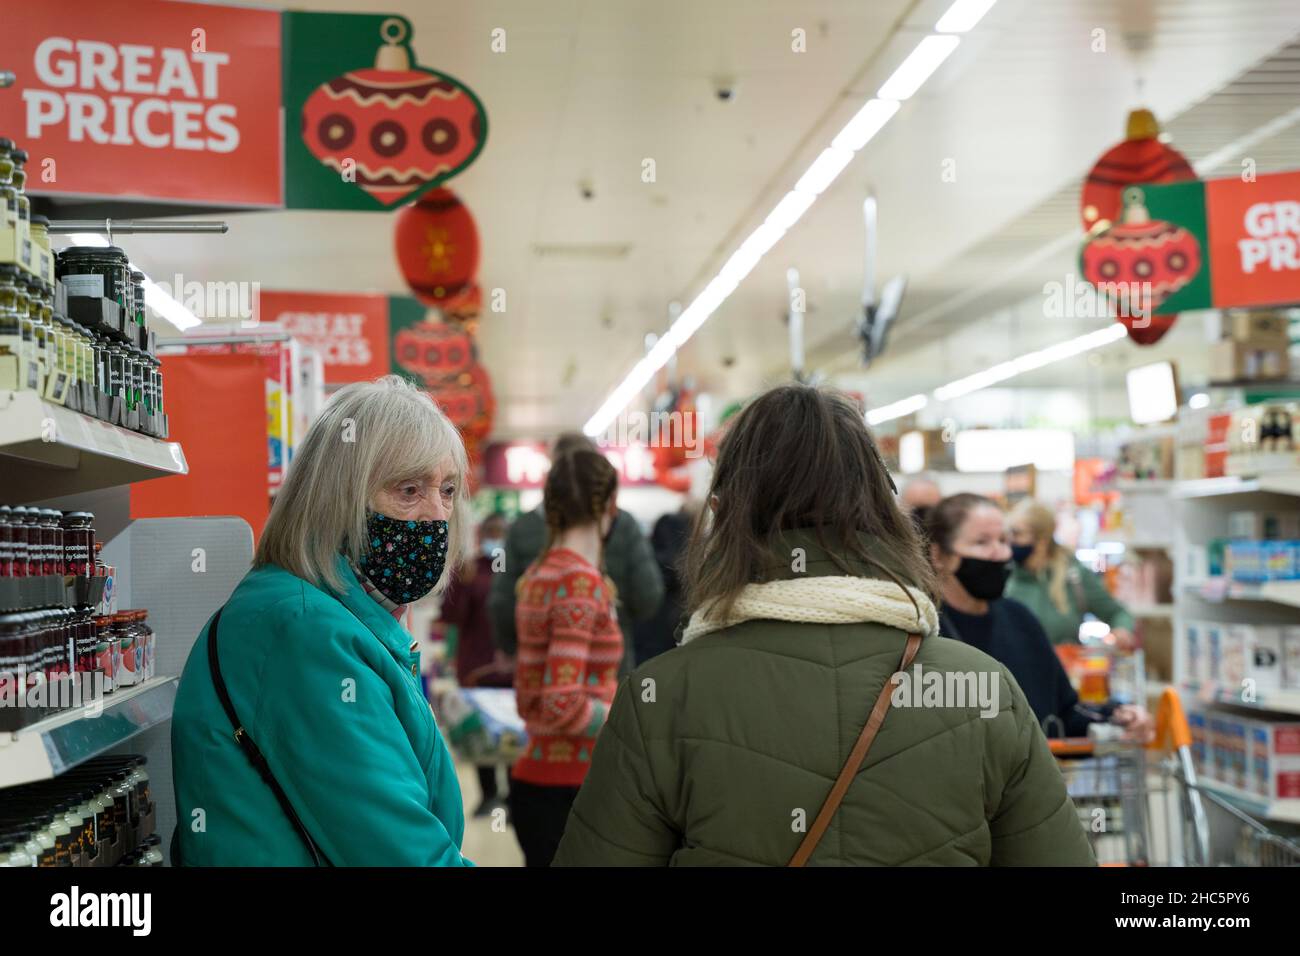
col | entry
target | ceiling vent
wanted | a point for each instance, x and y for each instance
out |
(583, 250)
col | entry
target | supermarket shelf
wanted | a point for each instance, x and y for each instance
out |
(1282, 701)
(1282, 483)
(1152, 485)
(1284, 811)
(48, 748)
(48, 450)
(1150, 611)
(1274, 592)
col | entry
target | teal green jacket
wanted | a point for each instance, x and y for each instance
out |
(329, 688)
(1084, 594)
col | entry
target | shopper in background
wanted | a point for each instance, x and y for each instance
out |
(569, 650)
(659, 633)
(320, 675)
(1051, 582)
(968, 545)
(629, 562)
(919, 495)
(803, 588)
(478, 661)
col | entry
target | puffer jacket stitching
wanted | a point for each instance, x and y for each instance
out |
(1067, 802)
(943, 845)
(575, 815)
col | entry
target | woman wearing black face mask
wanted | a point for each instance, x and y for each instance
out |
(970, 552)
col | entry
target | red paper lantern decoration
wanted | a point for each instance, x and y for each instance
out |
(434, 351)
(403, 128)
(1145, 262)
(437, 248)
(1141, 158)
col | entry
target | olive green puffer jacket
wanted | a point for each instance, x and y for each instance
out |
(722, 751)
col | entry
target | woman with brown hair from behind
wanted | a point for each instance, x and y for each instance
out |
(751, 744)
(569, 650)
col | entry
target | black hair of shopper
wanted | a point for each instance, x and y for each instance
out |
(798, 458)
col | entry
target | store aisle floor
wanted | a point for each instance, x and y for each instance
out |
(485, 844)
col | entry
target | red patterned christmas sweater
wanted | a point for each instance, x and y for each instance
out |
(570, 646)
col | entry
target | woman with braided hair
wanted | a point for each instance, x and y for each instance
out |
(569, 650)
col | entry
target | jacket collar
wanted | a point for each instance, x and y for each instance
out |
(368, 611)
(797, 554)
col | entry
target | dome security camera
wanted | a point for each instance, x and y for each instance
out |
(724, 88)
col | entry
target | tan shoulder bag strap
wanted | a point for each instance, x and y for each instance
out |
(856, 756)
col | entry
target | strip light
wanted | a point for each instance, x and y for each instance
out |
(918, 67)
(1000, 373)
(963, 15)
(154, 296)
(905, 406)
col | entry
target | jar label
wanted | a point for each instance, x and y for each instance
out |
(84, 285)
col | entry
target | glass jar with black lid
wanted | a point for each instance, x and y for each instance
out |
(137, 286)
(11, 326)
(97, 271)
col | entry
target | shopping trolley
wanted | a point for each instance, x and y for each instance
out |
(1142, 805)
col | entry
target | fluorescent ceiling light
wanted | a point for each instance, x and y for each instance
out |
(823, 171)
(866, 123)
(997, 449)
(1030, 361)
(789, 210)
(916, 69)
(905, 406)
(154, 296)
(1199, 400)
(963, 15)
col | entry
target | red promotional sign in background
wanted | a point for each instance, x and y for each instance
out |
(146, 98)
(349, 331)
(1254, 232)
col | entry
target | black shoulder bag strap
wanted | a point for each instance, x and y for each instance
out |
(251, 749)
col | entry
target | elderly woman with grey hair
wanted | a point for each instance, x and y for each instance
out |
(301, 734)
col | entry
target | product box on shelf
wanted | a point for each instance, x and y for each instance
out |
(1232, 659)
(1213, 666)
(1264, 658)
(1264, 525)
(1258, 329)
(1197, 641)
(1275, 759)
(1232, 361)
(1291, 658)
(1196, 724)
(1254, 562)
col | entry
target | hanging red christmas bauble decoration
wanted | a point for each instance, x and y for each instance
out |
(437, 248)
(464, 308)
(1138, 265)
(434, 351)
(467, 400)
(1141, 158)
(397, 129)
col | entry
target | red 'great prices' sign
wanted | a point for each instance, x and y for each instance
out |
(1255, 240)
(173, 101)
(349, 331)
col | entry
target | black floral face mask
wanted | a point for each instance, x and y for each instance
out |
(405, 558)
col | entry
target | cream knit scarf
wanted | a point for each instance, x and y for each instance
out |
(825, 600)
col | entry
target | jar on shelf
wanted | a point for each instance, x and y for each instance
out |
(6, 542)
(18, 534)
(105, 654)
(7, 164)
(8, 207)
(97, 271)
(137, 287)
(127, 674)
(51, 542)
(41, 233)
(78, 543)
(11, 329)
(20, 158)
